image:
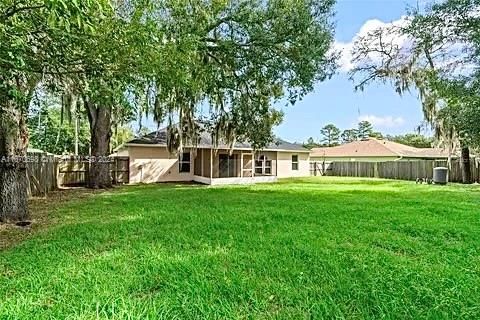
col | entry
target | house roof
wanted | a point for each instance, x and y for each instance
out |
(159, 138)
(378, 148)
(34, 150)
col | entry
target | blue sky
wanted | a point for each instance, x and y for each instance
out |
(335, 100)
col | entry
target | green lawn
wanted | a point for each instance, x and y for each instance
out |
(304, 248)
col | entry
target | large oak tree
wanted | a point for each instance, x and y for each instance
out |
(234, 60)
(37, 37)
(220, 64)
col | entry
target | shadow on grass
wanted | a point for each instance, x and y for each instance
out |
(144, 207)
(200, 250)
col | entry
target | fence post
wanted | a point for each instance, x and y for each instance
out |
(45, 173)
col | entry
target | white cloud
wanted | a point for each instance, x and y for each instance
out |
(345, 60)
(383, 122)
(450, 58)
(345, 48)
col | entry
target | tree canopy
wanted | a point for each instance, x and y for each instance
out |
(330, 135)
(38, 45)
(429, 51)
(237, 59)
(215, 66)
(364, 130)
(432, 52)
(412, 139)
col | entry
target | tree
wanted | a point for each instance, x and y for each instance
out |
(311, 143)
(462, 114)
(462, 110)
(110, 71)
(349, 135)
(36, 36)
(121, 135)
(238, 58)
(453, 23)
(416, 55)
(376, 135)
(365, 130)
(331, 135)
(413, 139)
(142, 131)
(49, 132)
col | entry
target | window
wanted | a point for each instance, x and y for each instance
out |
(263, 166)
(268, 167)
(295, 162)
(184, 162)
(258, 167)
(259, 164)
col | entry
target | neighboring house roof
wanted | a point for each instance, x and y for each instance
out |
(159, 138)
(34, 150)
(378, 148)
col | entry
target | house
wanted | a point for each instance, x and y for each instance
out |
(150, 161)
(375, 150)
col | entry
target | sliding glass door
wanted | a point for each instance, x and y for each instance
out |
(227, 168)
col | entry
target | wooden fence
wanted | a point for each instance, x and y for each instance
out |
(401, 170)
(47, 172)
(74, 171)
(41, 173)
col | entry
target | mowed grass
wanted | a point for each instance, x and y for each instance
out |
(301, 248)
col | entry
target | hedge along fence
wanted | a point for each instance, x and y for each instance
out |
(47, 172)
(400, 170)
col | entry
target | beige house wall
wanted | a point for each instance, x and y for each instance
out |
(155, 164)
(284, 164)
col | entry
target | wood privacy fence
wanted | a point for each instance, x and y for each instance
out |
(74, 171)
(41, 173)
(400, 170)
(48, 172)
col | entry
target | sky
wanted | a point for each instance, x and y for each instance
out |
(335, 101)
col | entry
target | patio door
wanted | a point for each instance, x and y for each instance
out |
(247, 165)
(226, 166)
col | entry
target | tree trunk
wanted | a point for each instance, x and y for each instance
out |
(13, 170)
(466, 170)
(100, 134)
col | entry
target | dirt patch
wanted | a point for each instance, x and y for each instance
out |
(43, 214)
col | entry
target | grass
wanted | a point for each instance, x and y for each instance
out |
(303, 248)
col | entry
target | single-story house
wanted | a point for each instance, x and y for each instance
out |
(150, 161)
(375, 150)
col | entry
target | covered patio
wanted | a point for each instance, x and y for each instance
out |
(218, 167)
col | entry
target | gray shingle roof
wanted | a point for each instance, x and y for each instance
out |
(160, 138)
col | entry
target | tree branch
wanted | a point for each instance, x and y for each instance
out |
(10, 12)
